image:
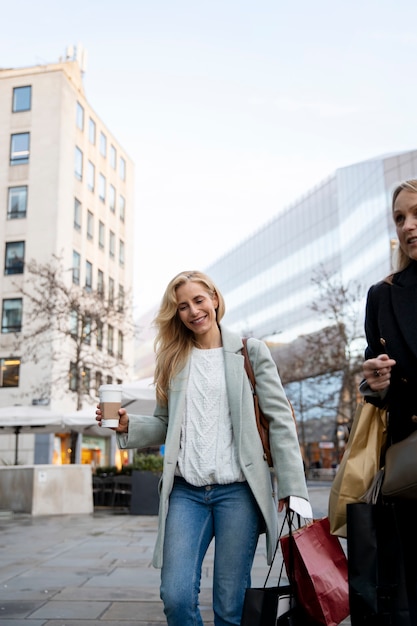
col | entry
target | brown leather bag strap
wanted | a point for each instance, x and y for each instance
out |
(248, 364)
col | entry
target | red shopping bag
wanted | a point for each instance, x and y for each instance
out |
(317, 567)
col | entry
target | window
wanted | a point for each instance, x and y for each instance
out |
(110, 339)
(9, 372)
(120, 345)
(19, 149)
(112, 244)
(113, 157)
(86, 329)
(101, 235)
(121, 304)
(92, 131)
(22, 97)
(80, 116)
(11, 317)
(74, 324)
(99, 382)
(100, 283)
(103, 144)
(121, 252)
(17, 204)
(112, 198)
(102, 187)
(78, 163)
(111, 291)
(77, 214)
(122, 208)
(100, 334)
(73, 377)
(91, 175)
(90, 225)
(122, 170)
(88, 276)
(15, 257)
(109, 380)
(76, 263)
(86, 379)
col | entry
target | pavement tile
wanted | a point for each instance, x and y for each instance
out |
(12, 609)
(92, 570)
(63, 610)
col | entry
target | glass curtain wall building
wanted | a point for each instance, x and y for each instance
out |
(343, 224)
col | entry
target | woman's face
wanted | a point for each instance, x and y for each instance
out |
(405, 219)
(197, 308)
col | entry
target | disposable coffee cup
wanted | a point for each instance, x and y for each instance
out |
(110, 403)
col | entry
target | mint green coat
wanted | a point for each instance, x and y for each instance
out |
(164, 427)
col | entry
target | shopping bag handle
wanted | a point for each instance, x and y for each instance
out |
(289, 521)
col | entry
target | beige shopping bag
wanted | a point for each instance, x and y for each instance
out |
(360, 463)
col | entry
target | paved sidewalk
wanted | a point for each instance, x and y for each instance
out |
(94, 570)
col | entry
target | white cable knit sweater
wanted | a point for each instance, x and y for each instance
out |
(207, 450)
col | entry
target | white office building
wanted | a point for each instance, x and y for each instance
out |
(66, 190)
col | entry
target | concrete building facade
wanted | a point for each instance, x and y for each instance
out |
(66, 190)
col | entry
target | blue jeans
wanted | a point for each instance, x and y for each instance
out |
(228, 513)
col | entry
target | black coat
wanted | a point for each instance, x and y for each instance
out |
(391, 315)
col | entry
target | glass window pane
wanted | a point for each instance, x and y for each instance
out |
(77, 214)
(22, 98)
(78, 163)
(122, 208)
(86, 377)
(102, 187)
(101, 235)
(73, 378)
(122, 169)
(100, 282)
(9, 372)
(90, 225)
(74, 323)
(76, 262)
(92, 131)
(112, 244)
(100, 335)
(113, 157)
(11, 319)
(121, 253)
(110, 339)
(80, 116)
(15, 257)
(121, 304)
(17, 204)
(91, 175)
(112, 198)
(88, 276)
(19, 149)
(103, 144)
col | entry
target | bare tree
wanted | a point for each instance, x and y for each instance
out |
(65, 327)
(321, 370)
(340, 305)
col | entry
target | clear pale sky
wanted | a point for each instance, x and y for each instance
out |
(230, 109)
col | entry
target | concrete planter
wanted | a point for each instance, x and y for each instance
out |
(46, 489)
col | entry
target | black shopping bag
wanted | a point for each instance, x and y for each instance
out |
(274, 606)
(267, 606)
(377, 587)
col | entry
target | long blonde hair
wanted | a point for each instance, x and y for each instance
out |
(402, 259)
(174, 340)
